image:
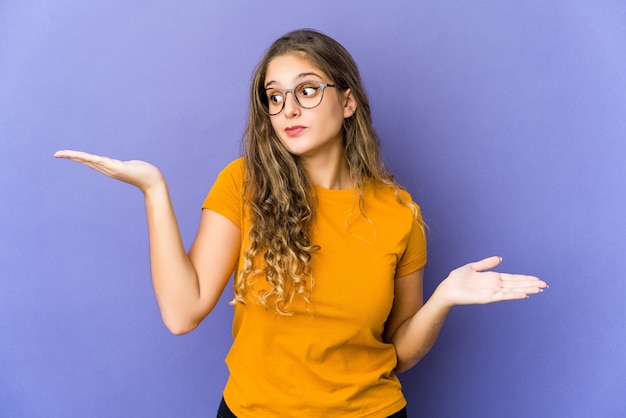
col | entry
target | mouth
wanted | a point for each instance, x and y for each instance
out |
(294, 130)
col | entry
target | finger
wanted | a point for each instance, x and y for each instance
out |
(73, 155)
(107, 166)
(486, 263)
(530, 290)
(516, 280)
(502, 296)
(90, 160)
(522, 287)
(515, 293)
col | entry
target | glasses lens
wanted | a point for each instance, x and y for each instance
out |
(309, 94)
(275, 101)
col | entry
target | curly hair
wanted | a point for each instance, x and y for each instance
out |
(277, 192)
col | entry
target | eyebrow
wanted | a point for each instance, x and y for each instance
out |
(301, 75)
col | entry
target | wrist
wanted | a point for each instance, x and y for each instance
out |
(157, 187)
(442, 298)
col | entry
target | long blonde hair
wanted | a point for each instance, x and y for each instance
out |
(277, 192)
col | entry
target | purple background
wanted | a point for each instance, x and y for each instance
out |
(506, 120)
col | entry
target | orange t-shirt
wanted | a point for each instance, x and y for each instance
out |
(330, 360)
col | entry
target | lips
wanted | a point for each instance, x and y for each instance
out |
(294, 130)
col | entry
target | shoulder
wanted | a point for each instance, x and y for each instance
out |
(237, 166)
(233, 172)
(226, 193)
(231, 177)
(395, 196)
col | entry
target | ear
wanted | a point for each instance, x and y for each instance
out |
(349, 104)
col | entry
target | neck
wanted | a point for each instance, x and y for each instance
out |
(329, 173)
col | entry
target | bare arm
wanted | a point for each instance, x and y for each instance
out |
(413, 328)
(187, 287)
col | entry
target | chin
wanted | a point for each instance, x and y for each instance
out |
(297, 151)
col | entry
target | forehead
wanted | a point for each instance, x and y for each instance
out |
(289, 68)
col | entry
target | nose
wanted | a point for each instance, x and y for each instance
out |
(291, 107)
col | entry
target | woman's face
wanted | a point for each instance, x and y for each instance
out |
(315, 133)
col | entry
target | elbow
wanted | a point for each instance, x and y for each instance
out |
(402, 367)
(179, 330)
(182, 321)
(179, 326)
(405, 363)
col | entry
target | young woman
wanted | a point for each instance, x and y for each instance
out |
(327, 250)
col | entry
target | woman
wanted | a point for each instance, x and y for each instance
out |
(328, 251)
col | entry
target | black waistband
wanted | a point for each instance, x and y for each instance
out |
(224, 412)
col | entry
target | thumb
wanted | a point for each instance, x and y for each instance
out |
(486, 263)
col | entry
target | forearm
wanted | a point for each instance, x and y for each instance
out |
(417, 335)
(174, 278)
(473, 283)
(183, 301)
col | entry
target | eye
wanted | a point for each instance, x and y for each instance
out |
(307, 90)
(274, 97)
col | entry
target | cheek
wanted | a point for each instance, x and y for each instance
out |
(333, 121)
(275, 125)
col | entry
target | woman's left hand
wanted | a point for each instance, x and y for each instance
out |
(475, 283)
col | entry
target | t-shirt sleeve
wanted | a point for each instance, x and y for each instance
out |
(226, 195)
(415, 254)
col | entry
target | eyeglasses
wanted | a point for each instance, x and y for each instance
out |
(307, 95)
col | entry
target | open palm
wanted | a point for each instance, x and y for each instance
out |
(138, 173)
(475, 283)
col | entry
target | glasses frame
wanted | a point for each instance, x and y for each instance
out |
(266, 107)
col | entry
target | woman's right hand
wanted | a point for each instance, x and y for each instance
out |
(476, 283)
(138, 173)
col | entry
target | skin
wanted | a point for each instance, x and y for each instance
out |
(188, 285)
(320, 144)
